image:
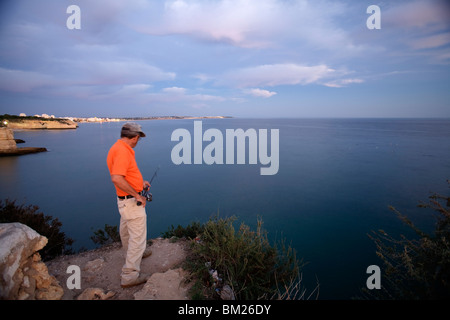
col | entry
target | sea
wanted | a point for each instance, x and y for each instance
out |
(337, 179)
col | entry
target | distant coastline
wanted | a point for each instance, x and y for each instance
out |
(95, 119)
(9, 123)
(47, 122)
(35, 123)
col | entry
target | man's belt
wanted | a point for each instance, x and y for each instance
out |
(127, 196)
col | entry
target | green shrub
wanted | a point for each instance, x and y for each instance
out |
(191, 231)
(245, 261)
(58, 243)
(15, 118)
(108, 235)
(417, 268)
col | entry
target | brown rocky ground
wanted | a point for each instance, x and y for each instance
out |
(101, 268)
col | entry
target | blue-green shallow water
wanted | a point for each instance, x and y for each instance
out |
(335, 182)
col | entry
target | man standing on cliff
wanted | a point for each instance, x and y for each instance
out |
(129, 184)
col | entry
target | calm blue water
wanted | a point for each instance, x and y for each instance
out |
(335, 182)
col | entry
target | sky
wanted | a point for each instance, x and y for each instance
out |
(240, 58)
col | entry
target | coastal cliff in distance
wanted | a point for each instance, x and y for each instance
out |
(36, 123)
(8, 145)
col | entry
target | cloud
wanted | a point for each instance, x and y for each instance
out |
(175, 90)
(202, 77)
(122, 72)
(206, 97)
(102, 16)
(429, 42)
(260, 93)
(177, 94)
(203, 52)
(434, 14)
(141, 95)
(226, 21)
(419, 29)
(24, 81)
(133, 89)
(342, 82)
(248, 23)
(271, 75)
(131, 74)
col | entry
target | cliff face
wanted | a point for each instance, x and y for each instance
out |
(7, 142)
(42, 124)
(8, 145)
(23, 276)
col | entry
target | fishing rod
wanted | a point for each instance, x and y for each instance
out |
(146, 192)
(154, 175)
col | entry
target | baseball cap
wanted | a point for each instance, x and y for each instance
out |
(133, 128)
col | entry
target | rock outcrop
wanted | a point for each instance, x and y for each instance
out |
(23, 276)
(100, 271)
(95, 294)
(7, 142)
(170, 285)
(8, 146)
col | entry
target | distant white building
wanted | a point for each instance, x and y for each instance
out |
(22, 115)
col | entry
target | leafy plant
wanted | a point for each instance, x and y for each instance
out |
(45, 225)
(191, 231)
(108, 235)
(417, 268)
(245, 261)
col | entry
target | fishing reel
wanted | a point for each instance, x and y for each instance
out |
(148, 196)
(146, 193)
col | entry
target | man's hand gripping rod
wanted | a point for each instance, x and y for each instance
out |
(145, 192)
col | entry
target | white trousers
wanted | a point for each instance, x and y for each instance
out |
(133, 234)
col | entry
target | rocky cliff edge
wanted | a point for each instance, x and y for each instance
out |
(8, 146)
(24, 276)
(33, 124)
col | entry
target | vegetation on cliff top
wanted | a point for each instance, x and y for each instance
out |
(245, 261)
(14, 118)
(58, 243)
(417, 268)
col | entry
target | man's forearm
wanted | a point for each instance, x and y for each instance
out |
(122, 184)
